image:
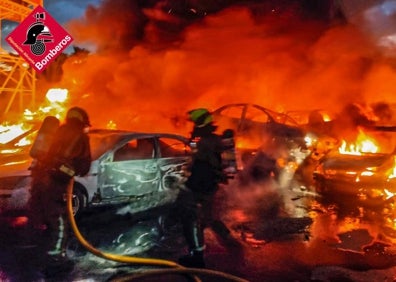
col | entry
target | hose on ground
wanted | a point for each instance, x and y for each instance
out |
(178, 269)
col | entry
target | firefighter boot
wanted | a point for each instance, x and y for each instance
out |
(223, 234)
(193, 233)
(194, 259)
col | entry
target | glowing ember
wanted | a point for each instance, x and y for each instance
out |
(326, 117)
(111, 125)
(363, 144)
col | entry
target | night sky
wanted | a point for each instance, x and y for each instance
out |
(64, 10)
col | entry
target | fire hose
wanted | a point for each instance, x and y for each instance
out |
(175, 268)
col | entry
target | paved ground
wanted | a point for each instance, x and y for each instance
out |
(281, 236)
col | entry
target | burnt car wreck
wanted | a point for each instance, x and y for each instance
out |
(140, 170)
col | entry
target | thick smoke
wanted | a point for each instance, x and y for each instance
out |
(152, 66)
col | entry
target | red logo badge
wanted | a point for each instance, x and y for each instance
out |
(39, 39)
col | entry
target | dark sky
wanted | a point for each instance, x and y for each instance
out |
(64, 10)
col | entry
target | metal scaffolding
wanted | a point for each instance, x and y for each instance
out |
(17, 78)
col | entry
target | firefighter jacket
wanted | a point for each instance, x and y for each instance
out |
(69, 152)
(206, 169)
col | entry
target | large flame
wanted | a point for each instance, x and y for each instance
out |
(55, 104)
(363, 144)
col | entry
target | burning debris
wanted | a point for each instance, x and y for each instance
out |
(55, 105)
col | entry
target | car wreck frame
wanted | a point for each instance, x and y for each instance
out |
(138, 170)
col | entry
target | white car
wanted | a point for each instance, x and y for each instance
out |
(140, 171)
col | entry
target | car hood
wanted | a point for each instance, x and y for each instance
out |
(356, 162)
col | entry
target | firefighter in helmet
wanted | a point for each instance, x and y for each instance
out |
(202, 184)
(67, 155)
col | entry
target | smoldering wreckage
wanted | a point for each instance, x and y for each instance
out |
(313, 199)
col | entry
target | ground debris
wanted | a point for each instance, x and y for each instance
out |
(336, 273)
(277, 228)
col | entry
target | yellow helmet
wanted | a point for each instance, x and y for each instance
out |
(200, 117)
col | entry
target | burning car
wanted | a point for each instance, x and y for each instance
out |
(365, 168)
(262, 136)
(258, 124)
(15, 150)
(139, 170)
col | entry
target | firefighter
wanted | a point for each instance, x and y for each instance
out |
(67, 155)
(202, 184)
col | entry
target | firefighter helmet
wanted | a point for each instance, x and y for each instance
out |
(34, 31)
(78, 113)
(200, 117)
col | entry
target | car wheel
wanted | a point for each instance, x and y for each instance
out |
(79, 201)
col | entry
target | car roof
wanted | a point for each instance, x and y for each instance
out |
(273, 115)
(102, 140)
(345, 161)
(130, 134)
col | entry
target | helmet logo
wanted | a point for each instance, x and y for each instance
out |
(38, 35)
(39, 39)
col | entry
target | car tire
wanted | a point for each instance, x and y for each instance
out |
(79, 201)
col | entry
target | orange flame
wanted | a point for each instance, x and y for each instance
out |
(363, 144)
(392, 172)
(55, 105)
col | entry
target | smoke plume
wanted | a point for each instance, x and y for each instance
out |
(151, 65)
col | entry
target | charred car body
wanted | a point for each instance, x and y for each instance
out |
(262, 136)
(259, 124)
(367, 175)
(139, 170)
(350, 173)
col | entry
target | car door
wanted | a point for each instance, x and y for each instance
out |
(174, 158)
(229, 116)
(129, 171)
